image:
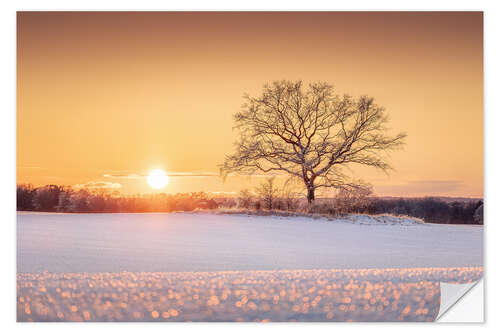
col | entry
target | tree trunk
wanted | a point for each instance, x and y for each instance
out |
(310, 195)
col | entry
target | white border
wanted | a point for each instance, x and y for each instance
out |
(8, 140)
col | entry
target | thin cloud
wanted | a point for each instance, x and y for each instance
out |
(192, 174)
(124, 176)
(170, 174)
(98, 185)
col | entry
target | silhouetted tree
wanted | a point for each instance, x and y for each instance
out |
(245, 198)
(46, 198)
(97, 203)
(79, 202)
(310, 134)
(478, 214)
(25, 193)
(267, 192)
(64, 200)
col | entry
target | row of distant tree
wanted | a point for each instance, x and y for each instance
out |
(267, 196)
(53, 198)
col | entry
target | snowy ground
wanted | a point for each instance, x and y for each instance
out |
(297, 295)
(208, 267)
(207, 242)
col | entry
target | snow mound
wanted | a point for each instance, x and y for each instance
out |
(383, 220)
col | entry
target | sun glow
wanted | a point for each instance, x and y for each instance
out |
(158, 179)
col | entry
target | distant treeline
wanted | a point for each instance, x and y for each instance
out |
(432, 210)
(53, 198)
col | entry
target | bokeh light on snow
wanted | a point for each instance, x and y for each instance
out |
(296, 295)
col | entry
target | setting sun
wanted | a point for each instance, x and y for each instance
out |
(158, 179)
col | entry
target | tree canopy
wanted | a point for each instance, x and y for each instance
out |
(310, 133)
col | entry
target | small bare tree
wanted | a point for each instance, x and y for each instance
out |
(245, 198)
(267, 192)
(352, 200)
(310, 134)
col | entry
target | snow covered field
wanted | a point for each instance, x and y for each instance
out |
(183, 242)
(209, 267)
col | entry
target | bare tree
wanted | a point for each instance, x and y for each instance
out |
(268, 192)
(312, 134)
(245, 198)
(352, 200)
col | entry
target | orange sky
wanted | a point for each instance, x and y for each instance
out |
(106, 97)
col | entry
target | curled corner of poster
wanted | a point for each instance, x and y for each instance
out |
(461, 303)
